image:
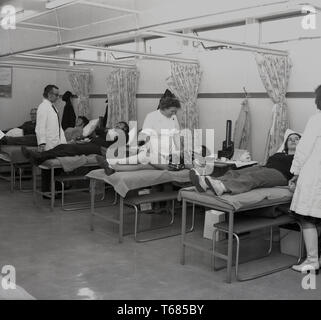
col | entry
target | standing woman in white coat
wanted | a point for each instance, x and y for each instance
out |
(48, 128)
(306, 202)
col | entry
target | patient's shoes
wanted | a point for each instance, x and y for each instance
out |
(197, 180)
(32, 156)
(103, 163)
(216, 186)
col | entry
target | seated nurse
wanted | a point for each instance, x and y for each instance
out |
(161, 130)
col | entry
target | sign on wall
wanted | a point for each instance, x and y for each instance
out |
(5, 82)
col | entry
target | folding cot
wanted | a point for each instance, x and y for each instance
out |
(11, 156)
(233, 205)
(58, 163)
(123, 182)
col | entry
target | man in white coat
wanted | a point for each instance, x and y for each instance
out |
(48, 129)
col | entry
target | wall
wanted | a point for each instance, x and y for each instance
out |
(27, 92)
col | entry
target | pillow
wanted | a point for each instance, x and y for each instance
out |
(90, 127)
(287, 133)
(15, 132)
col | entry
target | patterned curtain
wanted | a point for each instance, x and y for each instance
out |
(184, 82)
(121, 91)
(275, 73)
(81, 85)
(242, 128)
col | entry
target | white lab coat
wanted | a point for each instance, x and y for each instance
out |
(48, 127)
(307, 164)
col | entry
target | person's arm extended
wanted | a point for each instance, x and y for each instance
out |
(41, 125)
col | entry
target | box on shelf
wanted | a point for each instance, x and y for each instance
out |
(290, 240)
(212, 217)
(145, 206)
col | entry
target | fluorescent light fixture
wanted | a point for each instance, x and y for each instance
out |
(57, 3)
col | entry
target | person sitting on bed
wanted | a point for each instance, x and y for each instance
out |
(94, 146)
(73, 134)
(160, 126)
(276, 172)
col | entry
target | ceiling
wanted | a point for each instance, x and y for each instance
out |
(98, 20)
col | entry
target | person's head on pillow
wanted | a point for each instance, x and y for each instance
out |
(291, 143)
(169, 106)
(81, 121)
(318, 97)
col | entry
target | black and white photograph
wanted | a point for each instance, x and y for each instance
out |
(160, 155)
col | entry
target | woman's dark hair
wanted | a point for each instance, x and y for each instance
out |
(85, 121)
(318, 97)
(168, 102)
(286, 148)
(48, 89)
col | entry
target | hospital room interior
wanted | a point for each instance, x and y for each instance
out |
(160, 149)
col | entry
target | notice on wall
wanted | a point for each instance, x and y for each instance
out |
(5, 82)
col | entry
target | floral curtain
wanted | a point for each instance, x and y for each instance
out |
(184, 82)
(81, 85)
(121, 91)
(242, 128)
(275, 73)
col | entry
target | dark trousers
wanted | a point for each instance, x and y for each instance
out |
(243, 180)
(69, 150)
(28, 140)
(63, 150)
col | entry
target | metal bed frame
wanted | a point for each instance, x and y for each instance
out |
(135, 202)
(230, 232)
(51, 194)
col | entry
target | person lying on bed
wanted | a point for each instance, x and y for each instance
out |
(74, 134)
(28, 130)
(276, 172)
(28, 127)
(96, 145)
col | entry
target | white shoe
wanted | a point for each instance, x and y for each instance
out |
(310, 236)
(1, 134)
(197, 180)
(307, 265)
(216, 186)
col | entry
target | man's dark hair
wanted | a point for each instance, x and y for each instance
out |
(48, 89)
(85, 121)
(318, 97)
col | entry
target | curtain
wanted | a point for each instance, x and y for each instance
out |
(242, 128)
(184, 82)
(275, 73)
(81, 85)
(121, 91)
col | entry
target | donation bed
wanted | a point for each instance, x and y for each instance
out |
(66, 164)
(11, 156)
(124, 182)
(232, 205)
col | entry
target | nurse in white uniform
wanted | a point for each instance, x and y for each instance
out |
(306, 202)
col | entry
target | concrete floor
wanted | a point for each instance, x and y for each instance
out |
(57, 257)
